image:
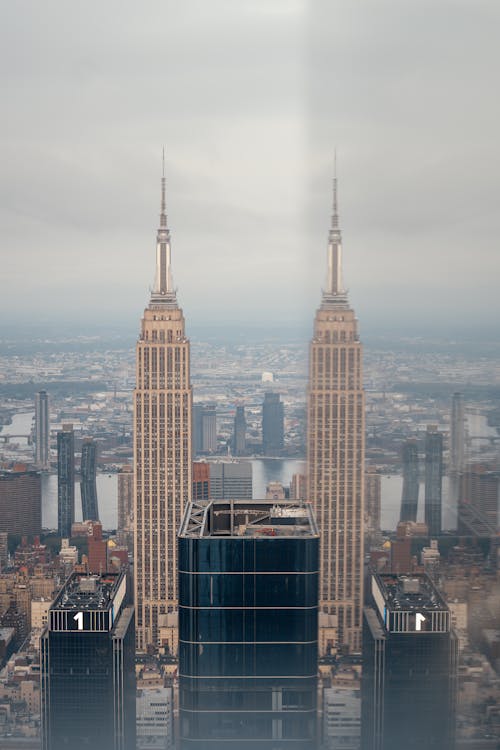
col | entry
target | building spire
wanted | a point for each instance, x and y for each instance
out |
(334, 292)
(163, 291)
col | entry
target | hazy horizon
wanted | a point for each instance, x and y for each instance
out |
(250, 100)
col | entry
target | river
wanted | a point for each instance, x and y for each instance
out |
(264, 471)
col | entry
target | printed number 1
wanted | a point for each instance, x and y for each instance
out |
(79, 618)
(419, 618)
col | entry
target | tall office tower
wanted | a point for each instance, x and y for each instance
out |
(240, 432)
(479, 493)
(336, 447)
(273, 431)
(42, 430)
(373, 500)
(4, 549)
(457, 433)
(248, 625)
(87, 666)
(126, 507)
(21, 502)
(204, 428)
(433, 479)
(409, 494)
(88, 483)
(409, 667)
(65, 480)
(201, 480)
(162, 445)
(298, 487)
(231, 480)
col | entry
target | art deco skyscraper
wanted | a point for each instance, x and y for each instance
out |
(335, 446)
(162, 445)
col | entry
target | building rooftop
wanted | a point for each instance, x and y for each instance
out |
(82, 592)
(410, 592)
(248, 518)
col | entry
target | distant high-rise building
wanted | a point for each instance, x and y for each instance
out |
(240, 432)
(231, 480)
(433, 479)
(4, 548)
(409, 495)
(204, 428)
(201, 480)
(248, 625)
(373, 500)
(298, 487)
(162, 445)
(273, 430)
(87, 666)
(336, 446)
(457, 433)
(65, 480)
(42, 430)
(88, 482)
(480, 493)
(21, 502)
(126, 507)
(409, 667)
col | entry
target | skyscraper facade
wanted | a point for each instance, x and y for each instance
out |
(373, 500)
(248, 625)
(336, 446)
(162, 445)
(409, 666)
(42, 430)
(230, 480)
(204, 428)
(65, 480)
(126, 507)
(87, 666)
(433, 479)
(88, 480)
(239, 432)
(457, 434)
(409, 494)
(21, 502)
(273, 430)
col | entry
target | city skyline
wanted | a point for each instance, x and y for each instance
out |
(250, 136)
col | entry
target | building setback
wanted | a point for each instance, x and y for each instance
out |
(20, 502)
(248, 625)
(336, 447)
(162, 446)
(87, 666)
(409, 667)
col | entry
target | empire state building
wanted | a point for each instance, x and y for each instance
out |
(335, 447)
(162, 446)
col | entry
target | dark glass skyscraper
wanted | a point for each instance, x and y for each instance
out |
(248, 625)
(42, 430)
(272, 424)
(87, 667)
(240, 430)
(409, 495)
(65, 480)
(88, 485)
(409, 667)
(433, 479)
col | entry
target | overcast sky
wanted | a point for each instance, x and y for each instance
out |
(250, 98)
